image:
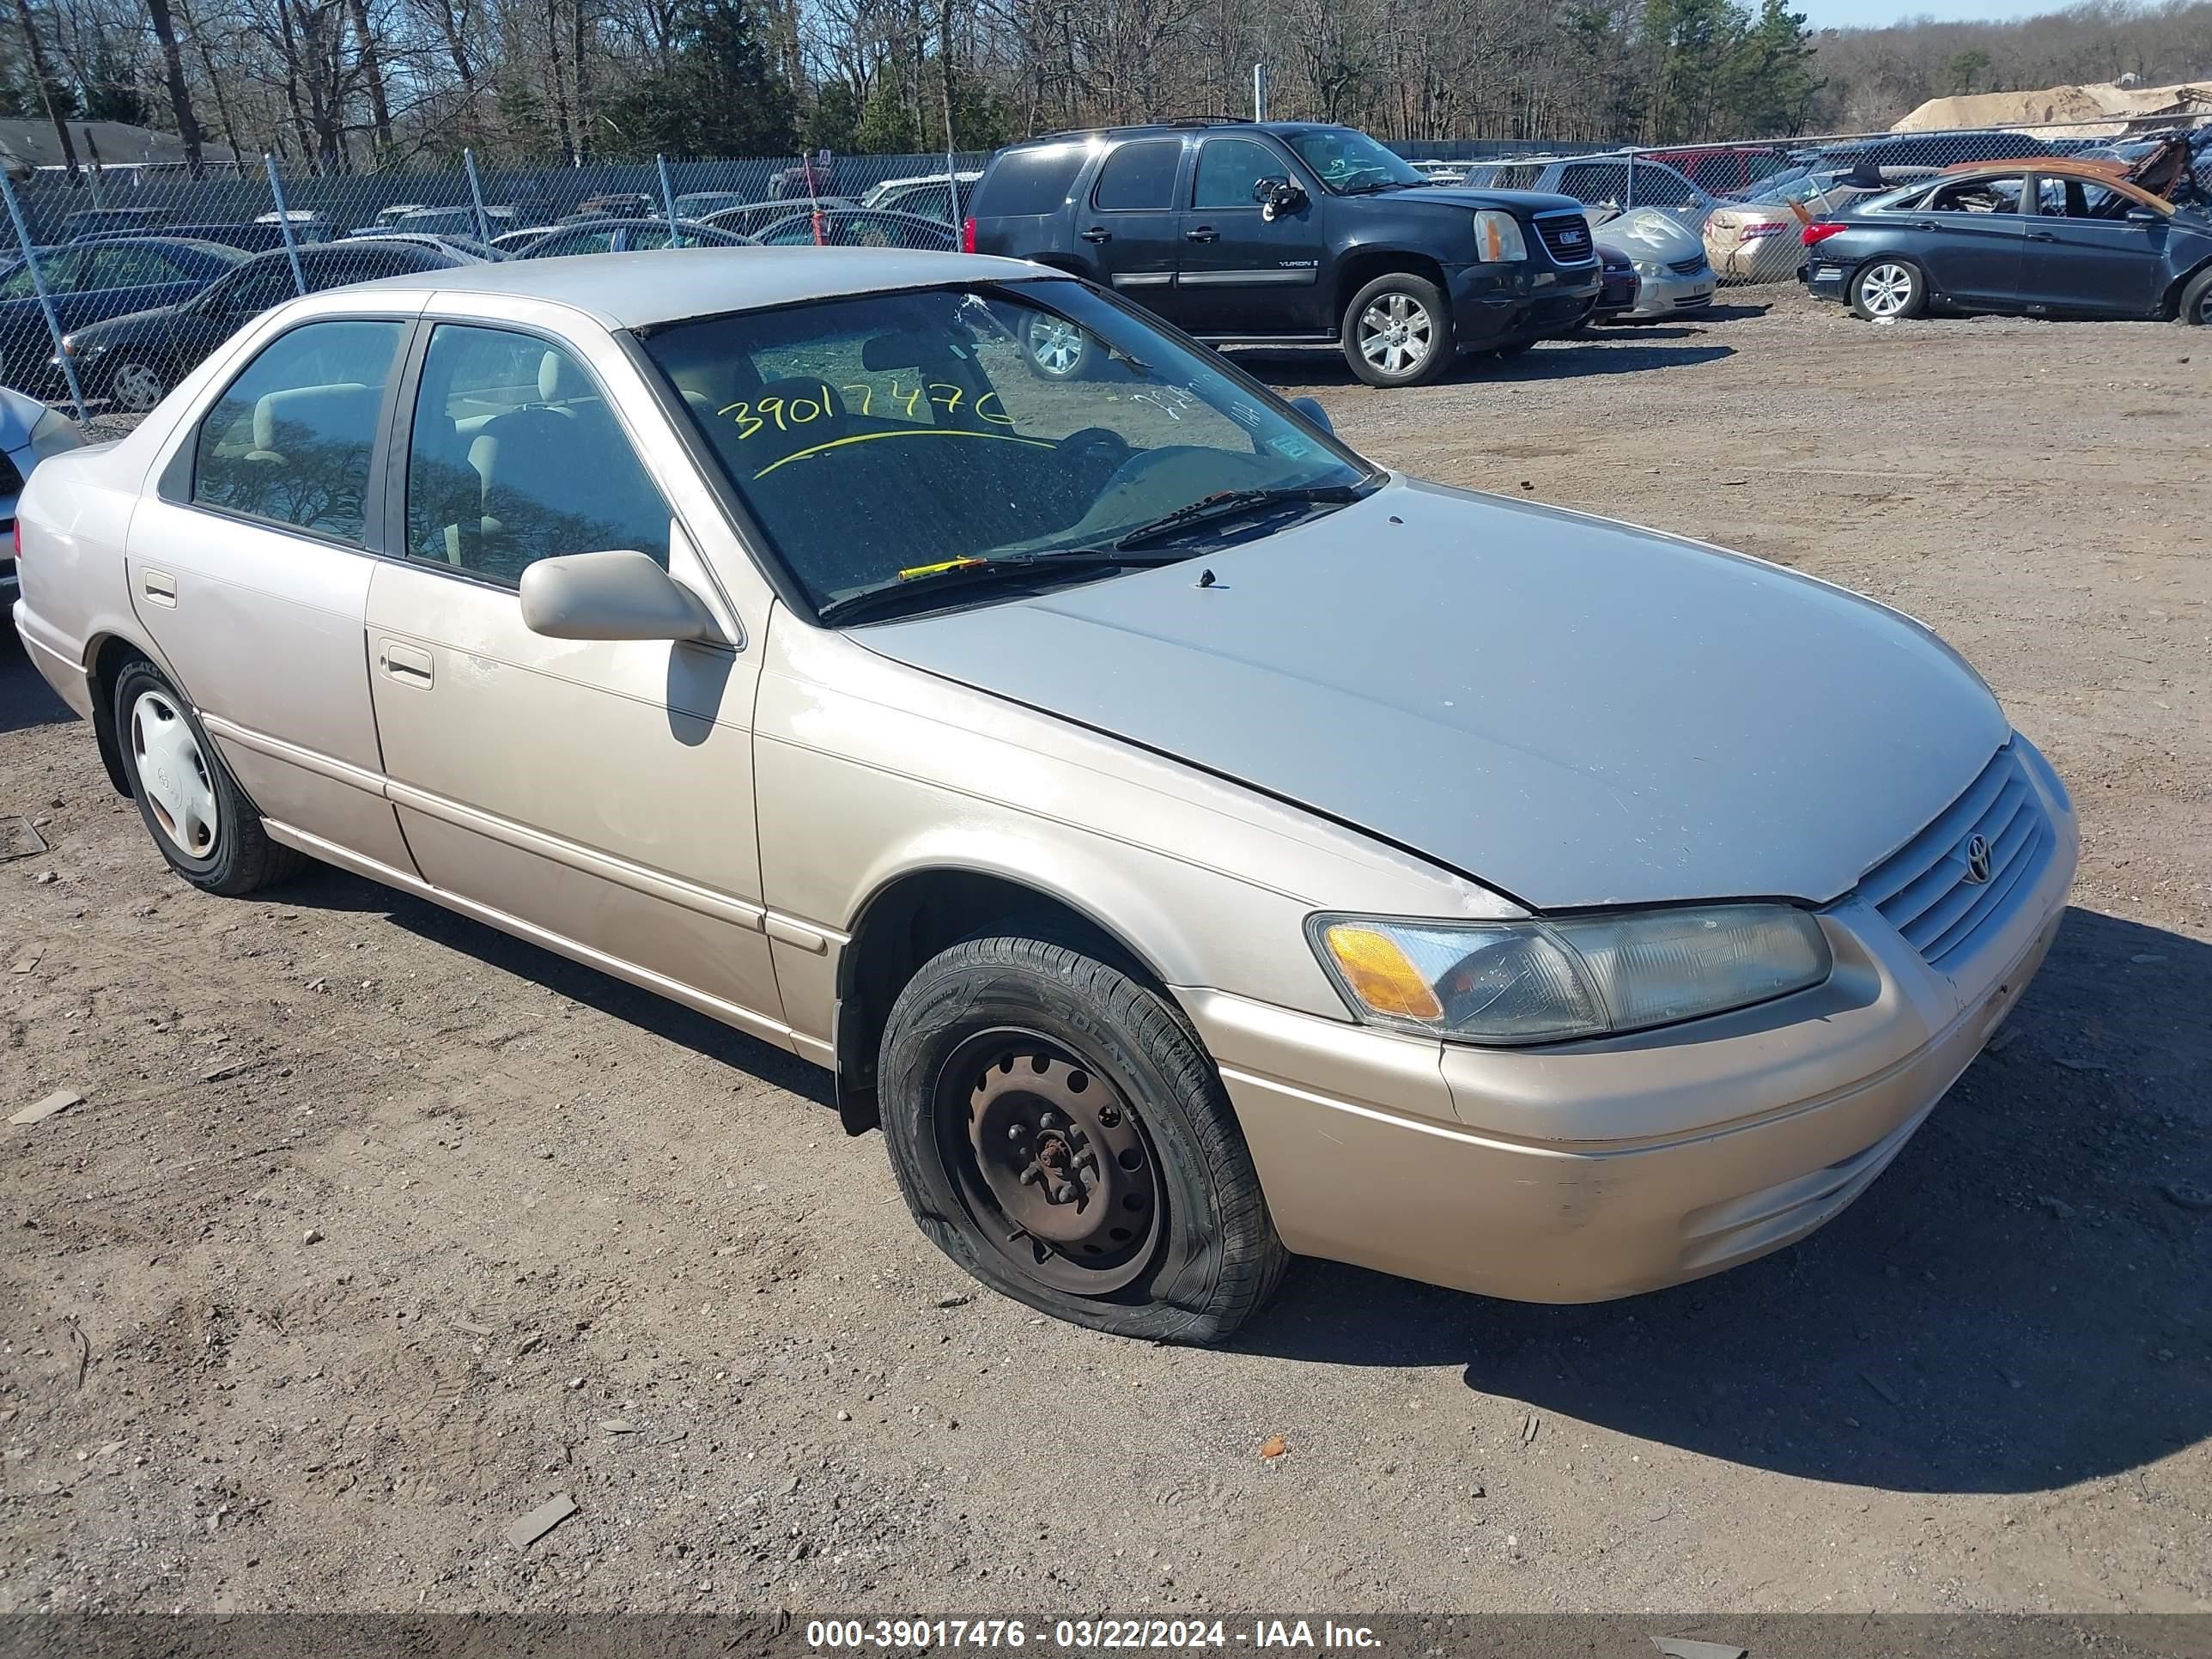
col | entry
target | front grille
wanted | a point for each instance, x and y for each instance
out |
(1566, 237)
(1687, 267)
(1693, 300)
(1922, 889)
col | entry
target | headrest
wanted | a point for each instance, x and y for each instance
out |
(350, 402)
(559, 379)
(900, 349)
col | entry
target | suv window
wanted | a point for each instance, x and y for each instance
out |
(1229, 169)
(1654, 184)
(1592, 182)
(1029, 181)
(1139, 175)
(291, 440)
(515, 457)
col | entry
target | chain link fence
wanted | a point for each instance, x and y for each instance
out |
(116, 286)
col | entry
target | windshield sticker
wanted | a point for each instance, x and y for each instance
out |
(1289, 446)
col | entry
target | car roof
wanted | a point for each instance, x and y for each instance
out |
(638, 290)
(2113, 174)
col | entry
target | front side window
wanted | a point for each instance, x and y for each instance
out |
(884, 437)
(2080, 198)
(1351, 163)
(1139, 176)
(257, 286)
(1229, 170)
(515, 457)
(291, 440)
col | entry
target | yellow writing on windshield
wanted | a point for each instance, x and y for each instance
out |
(774, 411)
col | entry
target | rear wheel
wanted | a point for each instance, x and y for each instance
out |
(1398, 332)
(199, 818)
(1058, 1133)
(1884, 290)
(2197, 300)
(137, 384)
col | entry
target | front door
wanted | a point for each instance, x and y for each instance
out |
(1129, 225)
(246, 570)
(1243, 272)
(599, 791)
(1974, 239)
(2085, 254)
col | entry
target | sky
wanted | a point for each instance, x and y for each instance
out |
(1874, 13)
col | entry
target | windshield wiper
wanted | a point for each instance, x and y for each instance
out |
(1379, 186)
(1237, 504)
(962, 572)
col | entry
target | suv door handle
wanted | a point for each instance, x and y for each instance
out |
(1097, 233)
(1202, 234)
(404, 663)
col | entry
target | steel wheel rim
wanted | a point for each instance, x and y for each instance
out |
(1885, 289)
(1055, 344)
(1396, 333)
(138, 387)
(1051, 1161)
(174, 778)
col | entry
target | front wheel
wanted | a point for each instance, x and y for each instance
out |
(137, 384)
(1886, 289)
(199, 818)
(1058, 1132)
(1398, 332)
(1055, 349)
(2197, 300)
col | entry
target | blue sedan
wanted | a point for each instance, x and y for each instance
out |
(89, 282)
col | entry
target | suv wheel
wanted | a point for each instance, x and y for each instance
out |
(1055, 349)
(1397, 332)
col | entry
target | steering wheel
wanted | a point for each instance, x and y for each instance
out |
(1100, 445)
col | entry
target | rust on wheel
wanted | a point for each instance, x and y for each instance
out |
(1053, 1162)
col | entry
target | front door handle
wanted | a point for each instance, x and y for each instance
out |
(159, 587)
(1926, 224)
(404, 663)
(1202, 234)
(2041, 236)
(1097, 233)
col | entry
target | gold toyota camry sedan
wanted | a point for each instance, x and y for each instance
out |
(1189, 841)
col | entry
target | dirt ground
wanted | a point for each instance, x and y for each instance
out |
(376, 1229)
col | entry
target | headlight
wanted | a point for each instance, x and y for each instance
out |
(1498, 236)
(1547, 982)
(1649, 268)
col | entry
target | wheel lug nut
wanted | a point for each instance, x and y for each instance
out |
(1031, 1175)
(1016, 1133)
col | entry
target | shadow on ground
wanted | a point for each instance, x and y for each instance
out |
(26, 700)
(2022, 1302)
(1609, 351)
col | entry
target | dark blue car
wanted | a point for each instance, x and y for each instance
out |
(89, 282)
(2042, 237)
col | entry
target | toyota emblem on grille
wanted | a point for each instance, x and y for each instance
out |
(1977, 859)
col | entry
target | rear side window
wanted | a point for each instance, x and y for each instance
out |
(1139, 176)
(290, 441)
(1593, 182)
(1022, 182)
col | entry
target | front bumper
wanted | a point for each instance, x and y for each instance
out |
(1672, 293)
(1594, 1170)
(1501, 304)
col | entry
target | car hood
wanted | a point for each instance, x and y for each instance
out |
(1466, 196)
(1653, 234)
(1574, 712)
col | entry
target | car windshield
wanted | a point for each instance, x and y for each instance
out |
(1349, 161)
(891, 436)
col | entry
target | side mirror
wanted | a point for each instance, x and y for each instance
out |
(612, 596)
(1311, 408)
(1277, 197)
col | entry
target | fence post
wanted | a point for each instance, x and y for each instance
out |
(476, 196)
(667, 197)
(39, 287)
(1631, 181)
(284, 223)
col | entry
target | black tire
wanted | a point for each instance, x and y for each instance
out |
(1394, 300)
(1199, 1254)
(1056, 349)
(1889, 288)
(136, 381)
(234, 855)
(2196, 306)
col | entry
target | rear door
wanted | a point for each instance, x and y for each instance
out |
(1241, 272)
(2085, 254)
(1131, 223)
(1973, 238)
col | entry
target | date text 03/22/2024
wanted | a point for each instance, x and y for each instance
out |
(1086, 1635)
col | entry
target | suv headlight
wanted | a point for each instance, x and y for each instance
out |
(1498, 236)
(1548, 981)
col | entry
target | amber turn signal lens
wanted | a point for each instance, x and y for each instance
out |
(1380, 975)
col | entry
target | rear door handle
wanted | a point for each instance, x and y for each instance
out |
(1202, 234)
(159, 587)
(1097, 233)
(404, 663)
(1926, 224)
(2041, 236)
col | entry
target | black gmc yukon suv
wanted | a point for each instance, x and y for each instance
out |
(1273, 232)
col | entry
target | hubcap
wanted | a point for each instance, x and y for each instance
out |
(1055, 345)
(174, 775)
(1395, 333)
(1051, 1161)
(1886, 289)
(138, 387)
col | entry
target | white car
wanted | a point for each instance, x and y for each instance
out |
(29, 433)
